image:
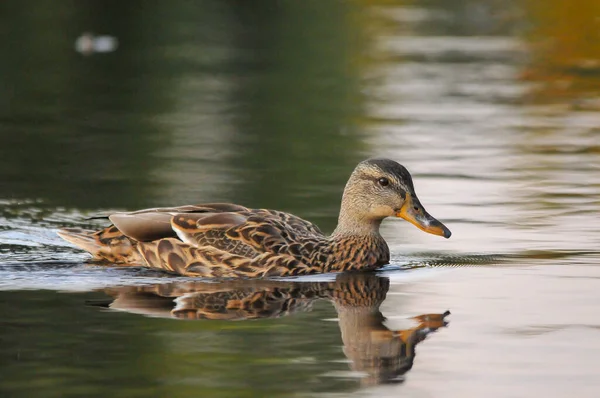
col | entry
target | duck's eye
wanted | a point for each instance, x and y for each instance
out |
(384, 182)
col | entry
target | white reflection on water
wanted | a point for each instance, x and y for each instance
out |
(505, 176)
(513, 332)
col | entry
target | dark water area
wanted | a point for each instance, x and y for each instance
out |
(492, 105)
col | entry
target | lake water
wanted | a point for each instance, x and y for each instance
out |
(493, 106)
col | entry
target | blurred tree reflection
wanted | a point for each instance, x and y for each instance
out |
(295, 106)
(116, 130)
(564, 45)
(78, 131)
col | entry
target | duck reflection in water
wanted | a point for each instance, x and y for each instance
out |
(380, 354)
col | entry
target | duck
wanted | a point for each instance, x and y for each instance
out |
(223, 240)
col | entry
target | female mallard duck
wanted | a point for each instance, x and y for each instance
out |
(226, 240)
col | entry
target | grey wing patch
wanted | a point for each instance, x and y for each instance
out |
(152, 224)
(143, 227)
(199, 208)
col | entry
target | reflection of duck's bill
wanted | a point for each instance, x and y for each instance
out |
(433, 320)
(413, 212)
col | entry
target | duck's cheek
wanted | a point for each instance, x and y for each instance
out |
(381, 211)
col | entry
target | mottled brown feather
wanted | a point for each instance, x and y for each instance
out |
(108, 244)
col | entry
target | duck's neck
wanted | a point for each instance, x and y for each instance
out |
(354, 226)
(353, 220)
(356, 244)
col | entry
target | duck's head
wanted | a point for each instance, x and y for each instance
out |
(380, 188)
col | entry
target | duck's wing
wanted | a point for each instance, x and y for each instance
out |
(152, 224)
(228, 227)
(221, 240)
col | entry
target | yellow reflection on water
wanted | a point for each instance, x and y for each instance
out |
(564, 45)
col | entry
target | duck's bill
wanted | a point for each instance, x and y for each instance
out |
(413, 212)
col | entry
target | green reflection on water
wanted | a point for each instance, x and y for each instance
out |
(96, 131)
(82, 350)
(296, 110)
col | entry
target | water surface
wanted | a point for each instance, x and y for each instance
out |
(492, 106)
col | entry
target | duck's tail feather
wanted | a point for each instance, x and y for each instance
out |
(86, 240)
(108, 244)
